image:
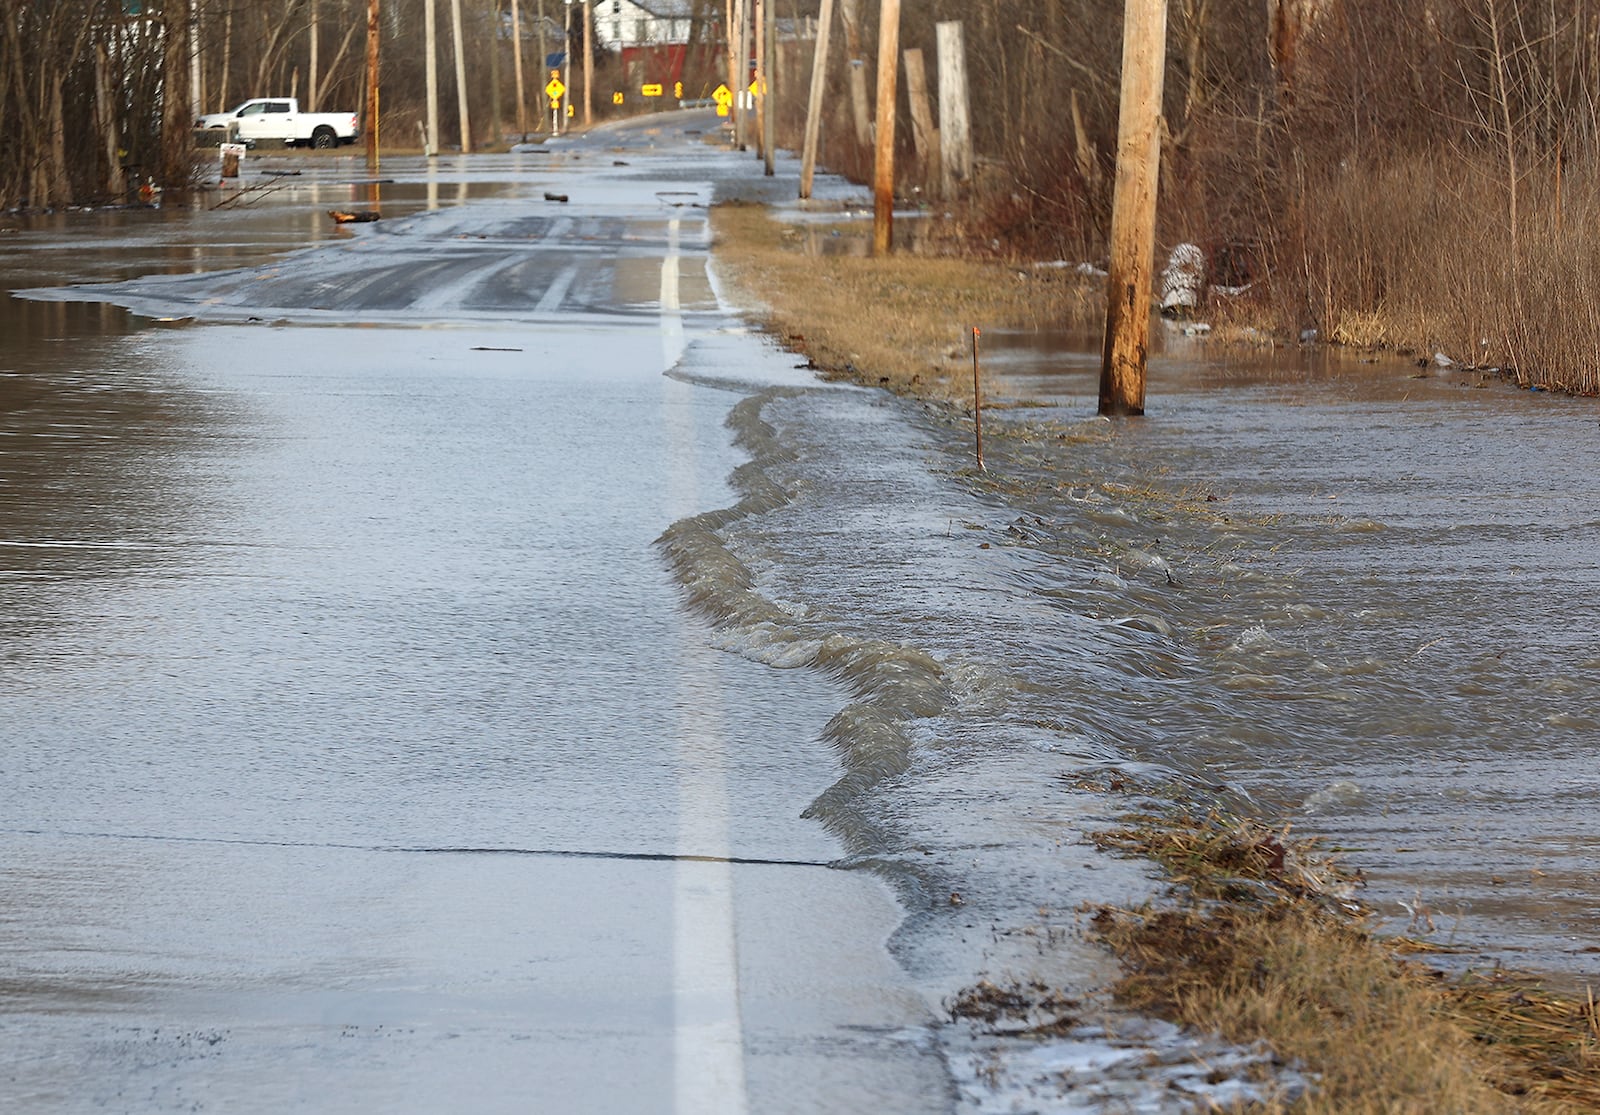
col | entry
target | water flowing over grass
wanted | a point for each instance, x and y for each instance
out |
(1261, 936)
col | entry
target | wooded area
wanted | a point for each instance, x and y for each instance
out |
(1347, 149)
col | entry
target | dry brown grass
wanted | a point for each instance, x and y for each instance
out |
(903, 322)
(1266, 943)
(1417, 254)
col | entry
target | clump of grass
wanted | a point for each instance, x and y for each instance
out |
(903, 321)
(1264, 941)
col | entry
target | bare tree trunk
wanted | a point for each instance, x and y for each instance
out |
(176, 124)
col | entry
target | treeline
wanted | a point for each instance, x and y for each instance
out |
(83, 90)
(96, 96)
(1420, 176)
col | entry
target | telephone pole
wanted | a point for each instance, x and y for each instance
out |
(769, 88)
(372, 85)
(819, 78)
(1133, 209)
(461, 78)
(883, 164)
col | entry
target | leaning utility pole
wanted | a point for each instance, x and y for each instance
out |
(373, 116)
(430, 26)
(1133, 209)
(850, 16)
(819, 79)
(461, 78)
(883, 165)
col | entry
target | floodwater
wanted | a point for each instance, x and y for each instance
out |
(414, 697)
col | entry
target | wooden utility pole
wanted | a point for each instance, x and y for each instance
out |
(758, 28)
(819, 81)
(955, 129)
(430, 28)
(742, 109)
(731, 38)
(197, 98)
(850, 16)
(516, 63)
(311, 74)
(544, 54)
(588, 64)
(1133, 209)
(883, 164)
(769, 89)
(923, 133)
(373, 115)
(461, 78)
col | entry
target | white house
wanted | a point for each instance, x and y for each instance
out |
(628, 23)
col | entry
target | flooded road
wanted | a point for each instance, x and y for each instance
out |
(359, 753)
(458, 665)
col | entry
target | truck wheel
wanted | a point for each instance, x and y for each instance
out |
(323, 138)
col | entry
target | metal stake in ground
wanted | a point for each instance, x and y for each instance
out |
(1133, 209)
(977, 402)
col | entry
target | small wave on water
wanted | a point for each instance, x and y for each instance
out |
(1163, 608)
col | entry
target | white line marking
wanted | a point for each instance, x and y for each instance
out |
(556, 292)
(708, 1034)
(672, 344)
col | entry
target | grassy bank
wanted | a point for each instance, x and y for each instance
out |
(1260, 937)
(904, 322)
(1261, 940)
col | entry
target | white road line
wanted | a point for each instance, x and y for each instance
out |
(556, 292)
(671, 310)
(708, 1036)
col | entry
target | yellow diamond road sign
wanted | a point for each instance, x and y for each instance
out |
(722, 96)
(555, 89)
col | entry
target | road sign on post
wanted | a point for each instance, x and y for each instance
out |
(651, 90)
(723, 98)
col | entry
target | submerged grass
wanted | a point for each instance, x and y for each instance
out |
(1262, 938)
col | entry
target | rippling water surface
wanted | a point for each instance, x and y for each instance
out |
(1348, 593)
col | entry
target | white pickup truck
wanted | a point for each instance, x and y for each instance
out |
(281, 118)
